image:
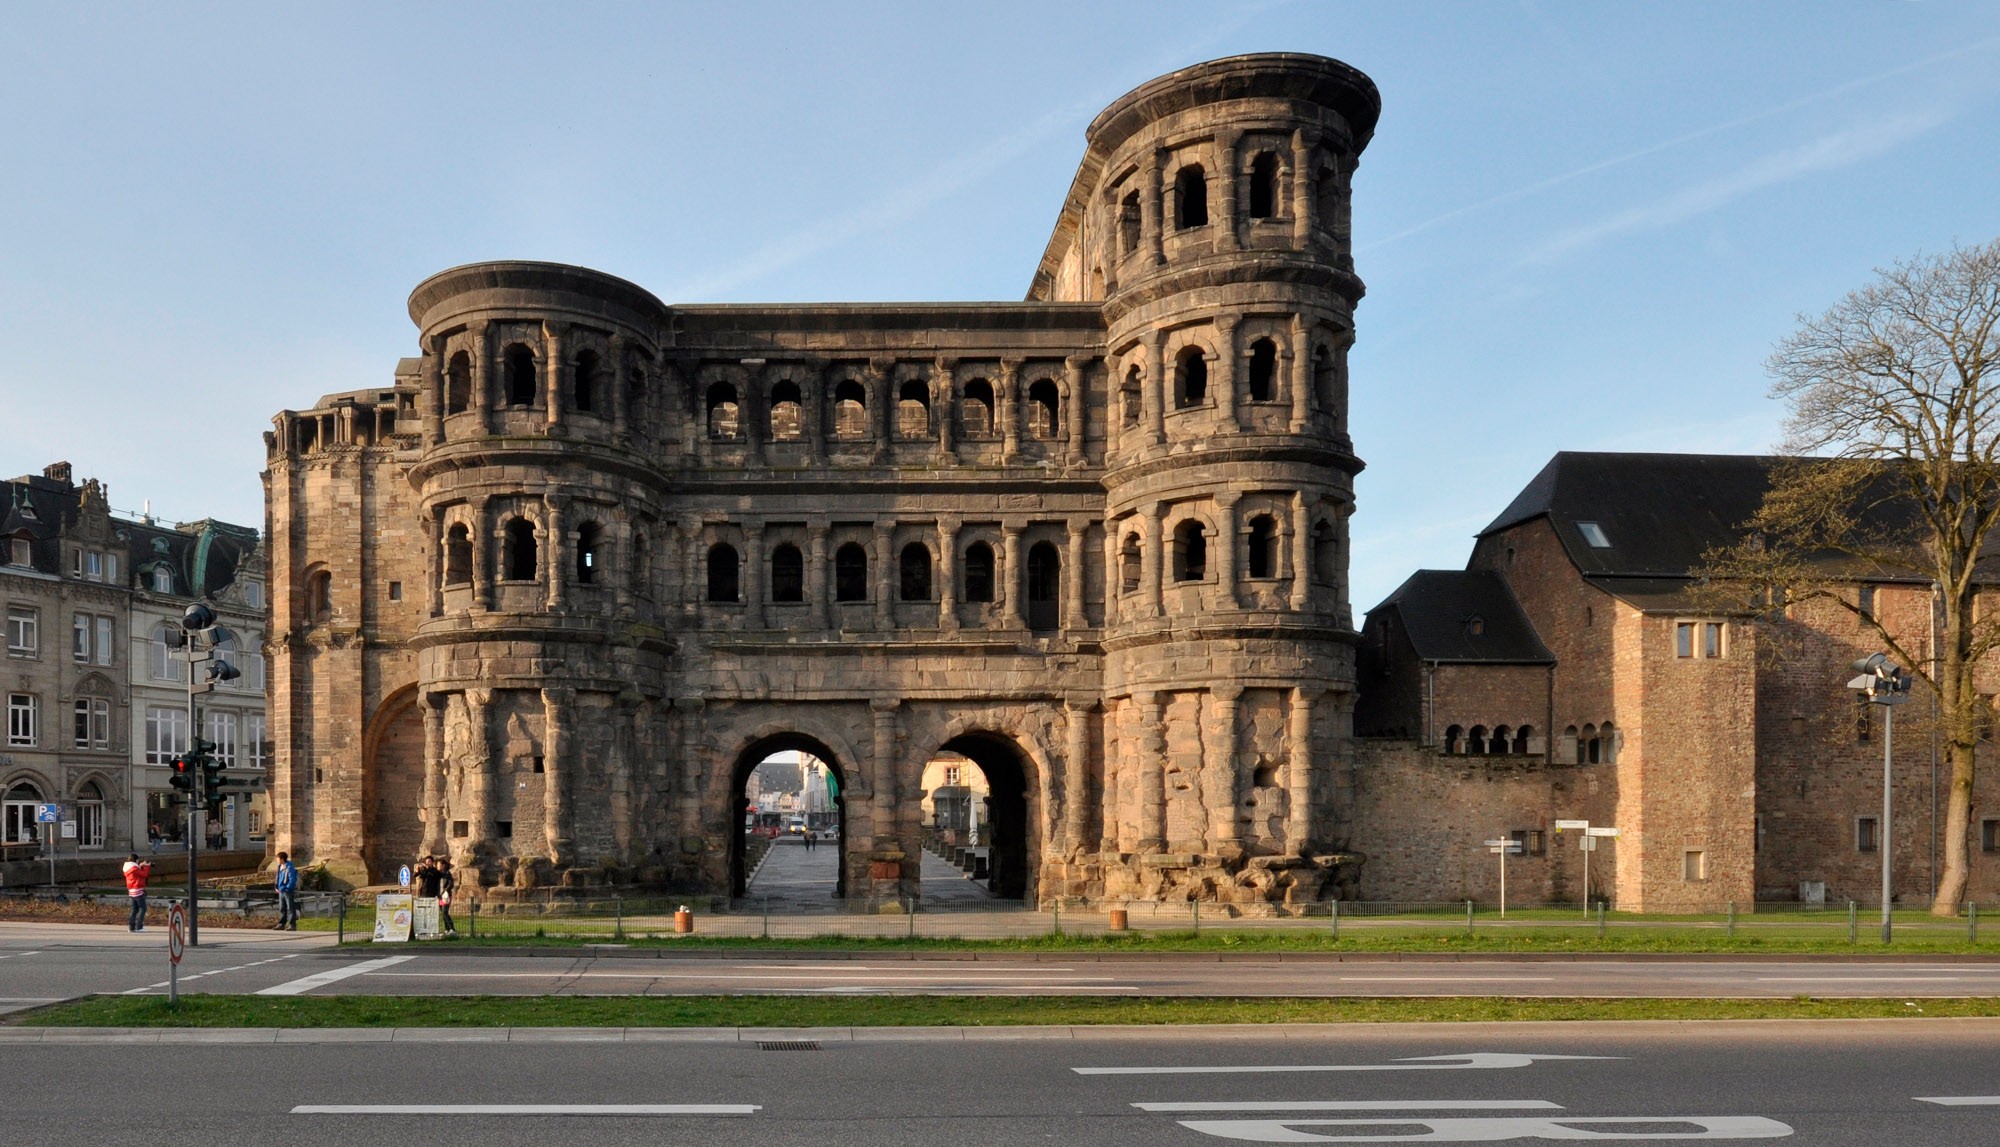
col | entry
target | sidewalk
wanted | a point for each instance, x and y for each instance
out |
(52, 934)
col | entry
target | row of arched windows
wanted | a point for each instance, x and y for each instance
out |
(1260, 379)
(976, 411)
(520, 555)
(1590, 745)
(1188, 557)
(1190, 199)
(978, 575)
(1478, 741)
(588, 382)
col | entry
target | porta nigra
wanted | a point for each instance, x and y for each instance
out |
(545, 600)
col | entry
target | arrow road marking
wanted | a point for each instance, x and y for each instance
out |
(1469, 1060)
(321, 979)
(526, 1109)
(1960, 1100)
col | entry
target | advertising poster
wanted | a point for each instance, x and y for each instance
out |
(392, 917)
(424, 917)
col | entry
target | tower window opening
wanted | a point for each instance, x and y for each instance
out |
(1264, 186)
(583, 388)
(1327, 199)
(518, 540)
(788, 574)
(635, 394)
(1475, 741)
(976, 409)
(722, 573)
(1451, 735)
(1190, 378)
(725, 415)
(457, 556)
(850, 410)
(913, 410)
(1129, 564)
(1263, 546)
(1191, 197)
(1044, 410)
(850, 573)
(458, 384)
(1522, 736)
(520, 373)
(1044, 588)
(788, 422)
(641, 563)
(915, 568)
(588, 539)
(1128, 223)
(1190, 551)
(1132, 397)
(979, 572)
(1263, 370)
(1326, 554)
(319, 596)
(1323, 381)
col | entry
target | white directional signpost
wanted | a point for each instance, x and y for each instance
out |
(1589, 845)
(1505, 846)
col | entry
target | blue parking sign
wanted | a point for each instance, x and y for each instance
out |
(48, 814)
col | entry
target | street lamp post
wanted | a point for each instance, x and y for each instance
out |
(1886, 685)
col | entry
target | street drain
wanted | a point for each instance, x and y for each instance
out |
(788, 1045)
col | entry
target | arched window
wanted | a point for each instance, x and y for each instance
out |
(518, 561)
(1129, 564)
(1191, 197)
(635, 395)
(458, 383)
(722, 573)
(588, 540)
(1326, 554)
(913, 410)
(1323, 394)
(1475, 741)
(520, 374)
(90, 816)
(976, 409)
(1497, 744)
(1190, 377)
(1451, 735)
(1044, 410)
(1190, 551)
(1263, 546)
(1607, 741)
(725, 415)
(1571, 748)
(1263, 370)
(1522, 736)
(1264, 186)
(915, 568)
(979, 572)
(1588, 748)
(1044, 586)
(850, 573)
(163, 578)
(850, 410)
(458, 555)
(788, 573)
(319, 595)
(641, 579)
(583, 387)
(1132, 397)
(788, 422)
(1128, 224)
(19, 825)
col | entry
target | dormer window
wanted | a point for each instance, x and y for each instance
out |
(20, 552)
(1476, 626)
(163, 579)
(1593, 535)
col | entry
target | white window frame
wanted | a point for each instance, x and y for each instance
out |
(163, 666)
(24, 711)
(253, 740)
(221, 728)
(95, 714)
(17, 822)
(166, 734)
(24, 631)
(107, 641)
(79, 638)
(163, 578)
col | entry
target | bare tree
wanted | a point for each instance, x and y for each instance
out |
(1893, 473)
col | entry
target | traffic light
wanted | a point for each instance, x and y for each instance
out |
(211, 767)
(183, 778)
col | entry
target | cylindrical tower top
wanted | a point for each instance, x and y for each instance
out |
(534, 287)
(1260, 75)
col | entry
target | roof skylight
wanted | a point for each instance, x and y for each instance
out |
(1594, 535)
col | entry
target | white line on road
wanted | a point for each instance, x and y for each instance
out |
(1445, 979)
(1960, 1100)
(321, 979)
(213, 972)
(1364, 1105)
(1477, 1059)
(1490, 1130)
(14, 955)
(526, 1108)
(1858, 979)
(949, 977)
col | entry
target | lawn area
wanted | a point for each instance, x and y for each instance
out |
(215, 1011)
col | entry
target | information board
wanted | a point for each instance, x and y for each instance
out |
(393, 912)
(424, 917)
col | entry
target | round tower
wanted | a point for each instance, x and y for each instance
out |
(1217, 235)
(540, 661)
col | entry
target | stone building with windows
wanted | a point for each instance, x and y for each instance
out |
(547, 597)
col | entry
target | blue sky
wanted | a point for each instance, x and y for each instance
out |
(1583, 226)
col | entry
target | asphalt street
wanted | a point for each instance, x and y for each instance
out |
(1824, 1083)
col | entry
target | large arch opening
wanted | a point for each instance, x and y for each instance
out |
(799, 789)
(1002, 836)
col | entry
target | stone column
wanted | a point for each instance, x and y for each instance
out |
(755, 411)
(812, 398)
(434, 399)
(1010, 583)
(482, 374)
(1154, 397)
(1298, 813)
(1152, 775)
(552, 347)
(1152, 209)
(1221, 783)
(693, 592)
(816, 587)
(1076, 774)
(1302, 197)
(618, 374)
(881, 390)
(478, 807)
(1301, 553)
(751, 583)
(691, 710)
(1152, 560)
(483, 544)
(557, 706)
(948, 573)
(435, 839)
(1114, 575)
(435, 604)
(1075, 407)
(1074, 615)
(884, 562)
(1230, 182)
(1010, 410)
(617, 566)
(1301, 375)
(883, 709)
(555, 549)
(944, 403)
(1225, 548)
(1225, 370)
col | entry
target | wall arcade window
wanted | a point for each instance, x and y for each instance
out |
(458, 555)
(1263, 370)
(788, 574)
(976, 409)
(1130, 562)
(915, 571)
(1190, 551)
(584, 383)
(589, 541)
(1190, 378)
(913, 410)
(519, 370)
(458, 384)
(1044, 588)
(1129, 219)
(1264, 186)
(850, 573)
(1044, 410)
(788, 420)
(725, 416)
(518, 550)
(1190, 197)
(850, 409)
(1263, 547)
(722, 573)
(979, 572)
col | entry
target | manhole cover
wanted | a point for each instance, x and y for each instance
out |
(787, 1045)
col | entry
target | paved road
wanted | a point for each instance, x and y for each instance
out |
(1828, 1084)
(795, 880)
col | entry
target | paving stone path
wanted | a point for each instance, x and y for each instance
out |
(799, 881)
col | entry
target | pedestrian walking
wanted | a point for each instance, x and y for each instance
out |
(137, 872)
(446, 882)
(153, 839)
(287, 883)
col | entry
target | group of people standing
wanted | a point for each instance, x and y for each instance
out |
(435, 880)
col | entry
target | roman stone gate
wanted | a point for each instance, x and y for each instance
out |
(543, 600)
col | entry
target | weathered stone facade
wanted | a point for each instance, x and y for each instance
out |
(546, 600)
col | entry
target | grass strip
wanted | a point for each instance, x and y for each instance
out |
(219, 1011)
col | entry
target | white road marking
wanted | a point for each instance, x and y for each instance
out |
(950, 977)
(321, 979)
(1960, 1100)
(16, 955)
(1858, 979)
(213, 972)
(1363, 1105)
(1445, 979)
(1035, 987)
(1469, 1060)
(526, 1109)
(1490, 1130)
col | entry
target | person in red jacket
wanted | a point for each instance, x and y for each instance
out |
(137, 872)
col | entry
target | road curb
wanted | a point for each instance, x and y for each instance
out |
(610, 950)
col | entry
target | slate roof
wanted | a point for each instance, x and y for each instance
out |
(204, 556)
(1437, 607)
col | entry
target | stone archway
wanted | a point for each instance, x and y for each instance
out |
(393, 785)
(1013, 863)
(756, 753)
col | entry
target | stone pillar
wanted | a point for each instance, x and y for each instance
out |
(693, 591)
(1010, 410)
(944, 402)
(1225, 370)
(1114, 585)
(1302, 196)
(434, 606)
(948, 573)
(1010, 583)
(1075, 407)
(1298, 811)
(484, 543)
(557, 706)
(482, 374)
(1152, 775)
(1152, 209)
(816, 587)
(1231, 180)
(1222, 788)
(691, 710)
(435, 839)
(1076, 774)
(751, 581)
(620, 369)
(478, 808)
(1154, 397)
(1152, 560)
(1225, 549)
(617, 568)
(885, 562)
(881, 391)
(552, 348)
(433, 390)
(555, 549)
(1074, 615)
(1301, 375)
(1301, 553)
(812, 398)
(883, 709)
(755, 411)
